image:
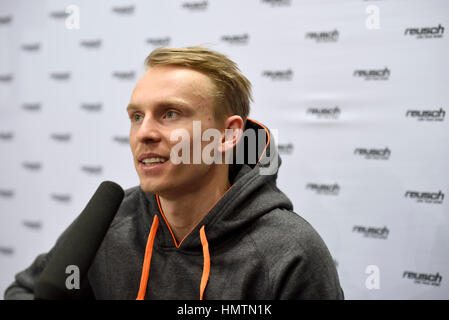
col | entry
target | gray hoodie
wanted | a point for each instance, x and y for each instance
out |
(250, 245)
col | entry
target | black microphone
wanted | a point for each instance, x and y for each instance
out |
(79, 244)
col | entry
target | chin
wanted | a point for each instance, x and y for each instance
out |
(148, 188)
(152, 188)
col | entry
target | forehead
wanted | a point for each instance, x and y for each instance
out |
(162, 83)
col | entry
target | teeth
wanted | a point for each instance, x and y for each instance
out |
(153, 160)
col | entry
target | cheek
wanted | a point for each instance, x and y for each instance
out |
(132, 144)
(132, 136)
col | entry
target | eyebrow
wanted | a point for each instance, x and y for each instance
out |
(131, 107)
(166, 104)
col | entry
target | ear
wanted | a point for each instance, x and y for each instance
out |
(233, 132)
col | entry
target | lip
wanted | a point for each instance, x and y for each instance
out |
(149, 155)
(153, 168)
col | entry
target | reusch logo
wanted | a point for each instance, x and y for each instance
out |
(426, 32)
(328, 113)
(61, 137)
(377, 154)
(92, 169)
(239, 39)
(60, 76)
(423, 278)
(121, 139)
(5, 20)
(6, 193)
(281, 75)
(35, 225)
(323, 36)
(32, 107)
(61, 197)
(427, 197)
(91, 44)
(373, 74)
(32, 166)
(427, 115)
(285, 148)
(326, 189)
(159, 41)
(6, 78)
(277, 3)
(125, 10)
(124, 75)
(31, 47)
(6, 136)
(372, 232)
(195, 6)
(59, 15)
(7, 251)
(92, 107)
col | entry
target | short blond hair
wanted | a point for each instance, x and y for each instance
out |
(233, 89)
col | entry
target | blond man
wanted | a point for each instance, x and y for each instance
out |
(197, 229)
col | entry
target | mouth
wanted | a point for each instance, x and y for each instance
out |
(151, 161)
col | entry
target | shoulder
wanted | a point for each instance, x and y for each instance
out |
(287, 241)
(300, 264)
(128, 207)
(286, 229)
(131, 193)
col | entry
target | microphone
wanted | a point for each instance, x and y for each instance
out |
(79, 243)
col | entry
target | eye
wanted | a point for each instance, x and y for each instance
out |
(171, 114)
(136, 117)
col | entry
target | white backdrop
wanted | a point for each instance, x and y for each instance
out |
(358, 91)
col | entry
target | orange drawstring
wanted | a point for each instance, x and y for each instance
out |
(147, 261)
(206, 263)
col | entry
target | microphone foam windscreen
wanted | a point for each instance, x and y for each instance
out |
(79, 243)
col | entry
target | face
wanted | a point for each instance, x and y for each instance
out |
(167, 98)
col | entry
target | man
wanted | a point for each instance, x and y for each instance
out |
(207, 221)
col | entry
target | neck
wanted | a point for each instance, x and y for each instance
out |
(184, 211)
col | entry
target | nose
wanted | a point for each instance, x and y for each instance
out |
(148, 131)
